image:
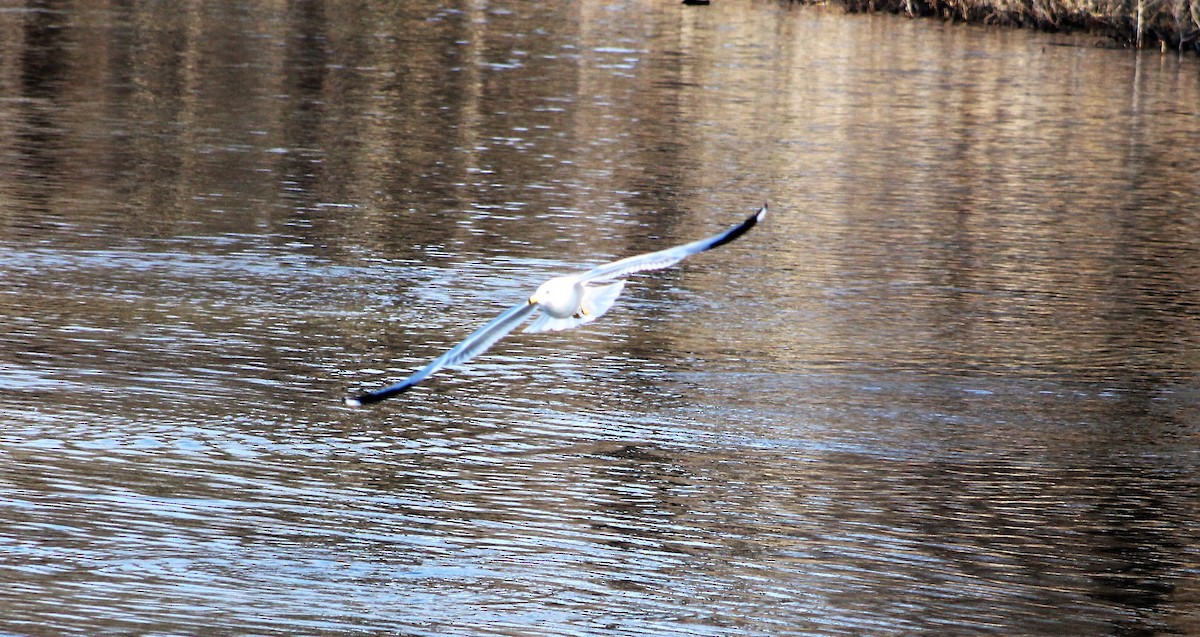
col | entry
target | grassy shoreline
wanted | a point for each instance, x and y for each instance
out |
(1165, 24)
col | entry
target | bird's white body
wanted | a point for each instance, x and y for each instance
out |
(566, 302)
(560, 297)
(563, 302)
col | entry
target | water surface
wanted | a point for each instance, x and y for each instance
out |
(950, 387)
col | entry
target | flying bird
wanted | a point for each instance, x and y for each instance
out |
(565, 302)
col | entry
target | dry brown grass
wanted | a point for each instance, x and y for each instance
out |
(1170, 24)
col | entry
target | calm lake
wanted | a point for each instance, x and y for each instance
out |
(950, 386)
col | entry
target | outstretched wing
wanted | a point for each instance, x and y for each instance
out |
(670, 256)
(474, 345)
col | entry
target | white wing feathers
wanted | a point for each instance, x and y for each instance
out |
(474, 345)
(670, 256)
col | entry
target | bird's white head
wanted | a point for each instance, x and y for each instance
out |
(554, 288)
(559, 296)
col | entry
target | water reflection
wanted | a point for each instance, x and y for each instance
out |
(949, 388)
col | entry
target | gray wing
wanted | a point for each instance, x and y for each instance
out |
(670, 256)
(474, 345)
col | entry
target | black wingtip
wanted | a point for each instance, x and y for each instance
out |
(362, 400)
(373, 397)
(741, 228)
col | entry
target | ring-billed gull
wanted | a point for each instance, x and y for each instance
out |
(565, 302)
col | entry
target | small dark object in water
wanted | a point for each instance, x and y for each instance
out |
(696, 3)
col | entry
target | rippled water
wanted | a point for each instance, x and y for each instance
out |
(950, 387)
